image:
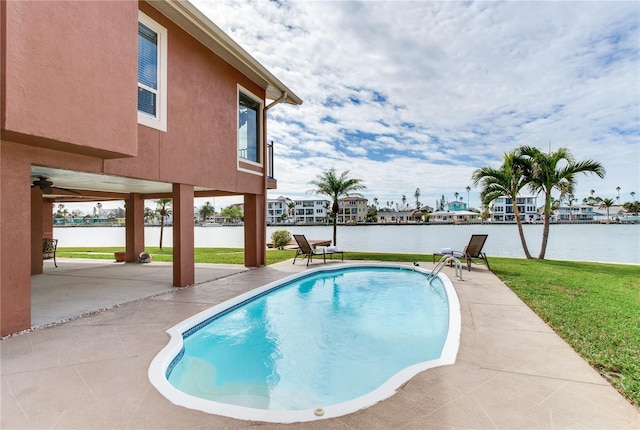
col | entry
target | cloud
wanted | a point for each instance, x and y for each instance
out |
(419, 94)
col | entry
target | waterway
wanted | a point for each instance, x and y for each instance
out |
(618, 243)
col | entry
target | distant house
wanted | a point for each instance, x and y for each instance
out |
(502, 209)
(455, 206)
(125, 100)
(352, 210)
(456, 217)
(412, 216)
(575, 213)
(279, 210)
(312, 211)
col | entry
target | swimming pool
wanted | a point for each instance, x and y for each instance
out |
(318, 344)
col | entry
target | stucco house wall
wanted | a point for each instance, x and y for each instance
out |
(68, 93)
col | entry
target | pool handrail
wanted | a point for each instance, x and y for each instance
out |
(442, 262)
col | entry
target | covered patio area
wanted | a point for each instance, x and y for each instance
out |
(81, 287)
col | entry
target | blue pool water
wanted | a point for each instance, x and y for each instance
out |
(327, 338)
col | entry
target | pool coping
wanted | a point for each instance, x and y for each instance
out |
(162, 363)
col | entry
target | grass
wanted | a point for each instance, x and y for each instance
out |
(593, 306)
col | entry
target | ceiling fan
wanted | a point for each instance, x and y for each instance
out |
(47, 186)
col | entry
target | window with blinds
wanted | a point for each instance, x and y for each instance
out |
(147, 69)
(152, 73)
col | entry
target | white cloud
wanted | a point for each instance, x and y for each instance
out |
(420, 94)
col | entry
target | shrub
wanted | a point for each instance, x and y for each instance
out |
(280, 238)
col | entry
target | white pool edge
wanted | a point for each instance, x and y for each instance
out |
(163, 359)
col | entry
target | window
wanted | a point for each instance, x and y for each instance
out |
(152, 73)
(248, 128)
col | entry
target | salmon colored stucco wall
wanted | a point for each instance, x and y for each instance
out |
(69, 101)
(15, 241)
(70, 80)
(200, 144)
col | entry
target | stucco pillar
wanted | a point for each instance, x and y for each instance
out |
(134, 224)
(47, 219)
(15, 241)
(36, 231)
(255, 230)
(183, 231)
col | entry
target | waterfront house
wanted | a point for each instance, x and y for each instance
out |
(412, 216)
(312, 211)
(127, 100)
(455, 206)
(279, 210)
(352, 210)
(502, 209)
(575, 213)
(456, 217)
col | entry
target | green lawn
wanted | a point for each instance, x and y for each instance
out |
(594, 307)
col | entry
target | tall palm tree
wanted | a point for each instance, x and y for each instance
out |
(417, 196)
(335, 187)
(555, 170)
(606, 204)
(164, 211)
(468, 190)
(507, 180)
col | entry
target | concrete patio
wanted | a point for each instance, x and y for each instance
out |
(512, 370)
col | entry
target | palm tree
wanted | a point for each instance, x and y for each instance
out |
(292, 210)
(206, 211)
(556, 170)
(606, 204)
(507, 180)
(149, 214)
(633, 195)
(618, 190)
(571, 199)
(334, 187)
(468, 190)
(164, 211)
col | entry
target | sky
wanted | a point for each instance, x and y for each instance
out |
(419, 94)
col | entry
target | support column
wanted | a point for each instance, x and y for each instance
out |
(134, 224)
(15, 241)
(183, 236)
(47, 219)
(255, 230)
(36, 231)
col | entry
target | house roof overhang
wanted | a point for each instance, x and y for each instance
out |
(194, 22)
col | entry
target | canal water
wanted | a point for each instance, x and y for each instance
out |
(619, 243)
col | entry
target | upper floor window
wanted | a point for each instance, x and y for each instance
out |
(152, 73)
(249, 128)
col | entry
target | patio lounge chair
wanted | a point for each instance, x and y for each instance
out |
(305, 250)
(473, 251)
